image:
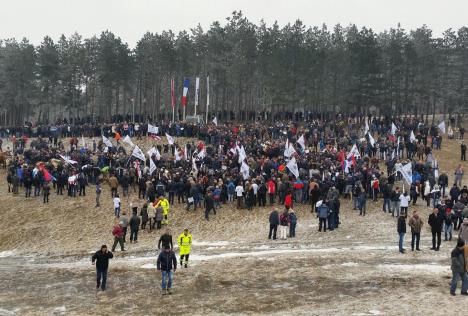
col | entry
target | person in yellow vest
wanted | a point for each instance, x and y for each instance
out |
(185, 243)
(164, 203)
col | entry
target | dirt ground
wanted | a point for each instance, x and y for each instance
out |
(45, 264)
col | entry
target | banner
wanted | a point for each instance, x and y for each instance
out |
(215, 121)
(394, 129)
(154, 152)
(354, 152)
(153, 129)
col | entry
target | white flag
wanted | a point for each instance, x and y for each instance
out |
(406, 172)
(301, 141)
(412, 138)
(202, 153)
(106, 141)
(68, 160)
(153, 129)
(215, 121)
(441, 126)
(152, 166)
(197, 88)
(176, 154)
(186, 153)
(242, 154)
(289, 149)
(128, 140)
(366, 129)
(155, 152)
(292, 166)
(137, 153)
(354, 152)
(245, 170)
(170, 139)
(371, 139)
(394, 129)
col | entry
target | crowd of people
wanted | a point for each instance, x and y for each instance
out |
(318, 163)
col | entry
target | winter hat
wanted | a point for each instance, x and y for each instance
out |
(460, 243)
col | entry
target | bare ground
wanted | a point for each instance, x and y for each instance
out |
(355, 270)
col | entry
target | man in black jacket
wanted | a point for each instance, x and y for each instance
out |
(166, 262)
(401, 231)
(436, 221)
(101, 257)
(274, 222)
(165, 240)
(134, 225)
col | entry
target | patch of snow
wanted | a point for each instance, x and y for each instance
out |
(350, 264)
(211, 244)
(412, 267)
(375, 312)
(148, 266)
(7, 253)
(60, 310)
(4, 311)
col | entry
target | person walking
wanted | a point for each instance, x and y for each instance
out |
(436, 221)
(116, 201)
(164, 203)
(165, 240)
(322, 211)
(463, 233)
(185, 243)
(46, 192)
(167, 264)
(101, 259)
(274, 222)
(134, 225)
(98, 193)
(239, 195)
(401, 228)
(117, 232)
(292, 223)
(209, 205)
(448, 223)
(416, 224)
(124, 224)
(458, 268)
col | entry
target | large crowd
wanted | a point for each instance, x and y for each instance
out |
(316, 163)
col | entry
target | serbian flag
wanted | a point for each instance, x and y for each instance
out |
(185, 91)
(47, 176)
(172, 93)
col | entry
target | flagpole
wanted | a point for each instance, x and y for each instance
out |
(207, 98)
(173, 113)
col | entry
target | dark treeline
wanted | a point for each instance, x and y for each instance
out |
(253, 69)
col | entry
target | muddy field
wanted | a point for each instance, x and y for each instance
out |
(45, 266)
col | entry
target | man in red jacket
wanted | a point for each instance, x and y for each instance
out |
(117, 232)
(271, 190)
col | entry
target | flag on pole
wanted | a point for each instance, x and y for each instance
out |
(245, 170)
(152, 166)
(137, 153)
(412, 138)
(186, 152)
(154, 152)
(441, 126)
(354, 152)
(394, 129)
(172, 93)
(128, 140)
(197, 88)
(215, 121)
(177, 154)
(202, 153)
(366, 129)
(371, 139)
(170, 139)
(106, 141)
(406, 172)
(185, 91)
(68, 160)
(242, 154)
(301, 141)
(292, 166)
